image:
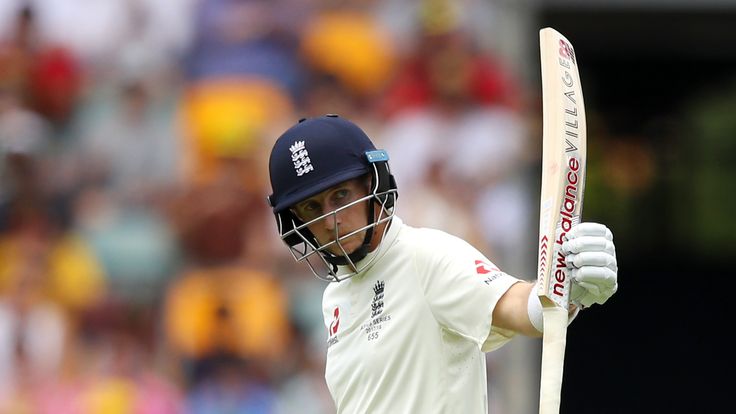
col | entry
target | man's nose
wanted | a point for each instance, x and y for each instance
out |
(332, 221)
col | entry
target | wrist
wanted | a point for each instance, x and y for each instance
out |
(535, 310)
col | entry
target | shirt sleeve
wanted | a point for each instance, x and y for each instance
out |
(462, 287)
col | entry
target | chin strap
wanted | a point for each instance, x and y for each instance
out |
(361, 252)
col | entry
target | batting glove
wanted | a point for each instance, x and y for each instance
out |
(591, 256)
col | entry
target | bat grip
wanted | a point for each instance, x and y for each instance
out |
(553, 358)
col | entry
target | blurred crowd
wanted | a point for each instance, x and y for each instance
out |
(140, 270)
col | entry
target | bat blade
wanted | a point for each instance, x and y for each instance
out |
(561, 201)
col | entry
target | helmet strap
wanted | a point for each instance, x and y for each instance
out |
(361, 252)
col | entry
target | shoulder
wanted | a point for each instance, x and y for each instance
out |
(438, 254)
(434, 243)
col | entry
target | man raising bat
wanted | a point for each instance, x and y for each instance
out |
(409, 312)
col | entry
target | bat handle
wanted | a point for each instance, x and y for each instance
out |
(553, 358)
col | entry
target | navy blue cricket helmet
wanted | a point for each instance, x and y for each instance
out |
(312, 156)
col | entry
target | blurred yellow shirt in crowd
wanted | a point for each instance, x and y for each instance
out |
(232, 309)
(65, 270)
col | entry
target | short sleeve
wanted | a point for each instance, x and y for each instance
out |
(462, 287)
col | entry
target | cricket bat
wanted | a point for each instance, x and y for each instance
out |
(561, 202)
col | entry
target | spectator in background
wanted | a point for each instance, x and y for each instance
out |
(231, 311)
(225, 122)
(16, 55)
(49, 278)
(131, 144)
(230, 386)
(244, 39)
(348, 43)
(229, 326)
(24, 139)
(454, 118)
(46, 75)
(55, 82)
(33, 329)
(350, 60)
(123, 375)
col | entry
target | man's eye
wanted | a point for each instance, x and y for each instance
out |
(310, 207)
(308, 211)
(341, 194)
(341, 197)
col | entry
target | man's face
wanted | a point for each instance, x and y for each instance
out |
(337, 225)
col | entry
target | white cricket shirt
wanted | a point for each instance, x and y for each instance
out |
(409, 333)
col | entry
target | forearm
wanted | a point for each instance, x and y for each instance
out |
(520, 310)
(511, 310)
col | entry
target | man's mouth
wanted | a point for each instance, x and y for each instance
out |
(337, 246)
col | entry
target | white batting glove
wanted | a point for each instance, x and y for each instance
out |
(591, 255)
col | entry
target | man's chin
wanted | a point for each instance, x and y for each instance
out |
(349, 246)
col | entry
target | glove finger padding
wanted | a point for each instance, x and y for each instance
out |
(602, 277)
(589, 244)
(584, 292)
(589, 229)
(592, 284)
(599, 259)
(587, 294)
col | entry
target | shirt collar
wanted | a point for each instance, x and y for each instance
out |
(392, 233)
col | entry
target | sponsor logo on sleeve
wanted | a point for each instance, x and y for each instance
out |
(488, 270)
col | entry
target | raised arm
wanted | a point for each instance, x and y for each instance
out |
(590, 252)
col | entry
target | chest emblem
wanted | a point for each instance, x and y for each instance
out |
(377, 304)
(377, 319)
